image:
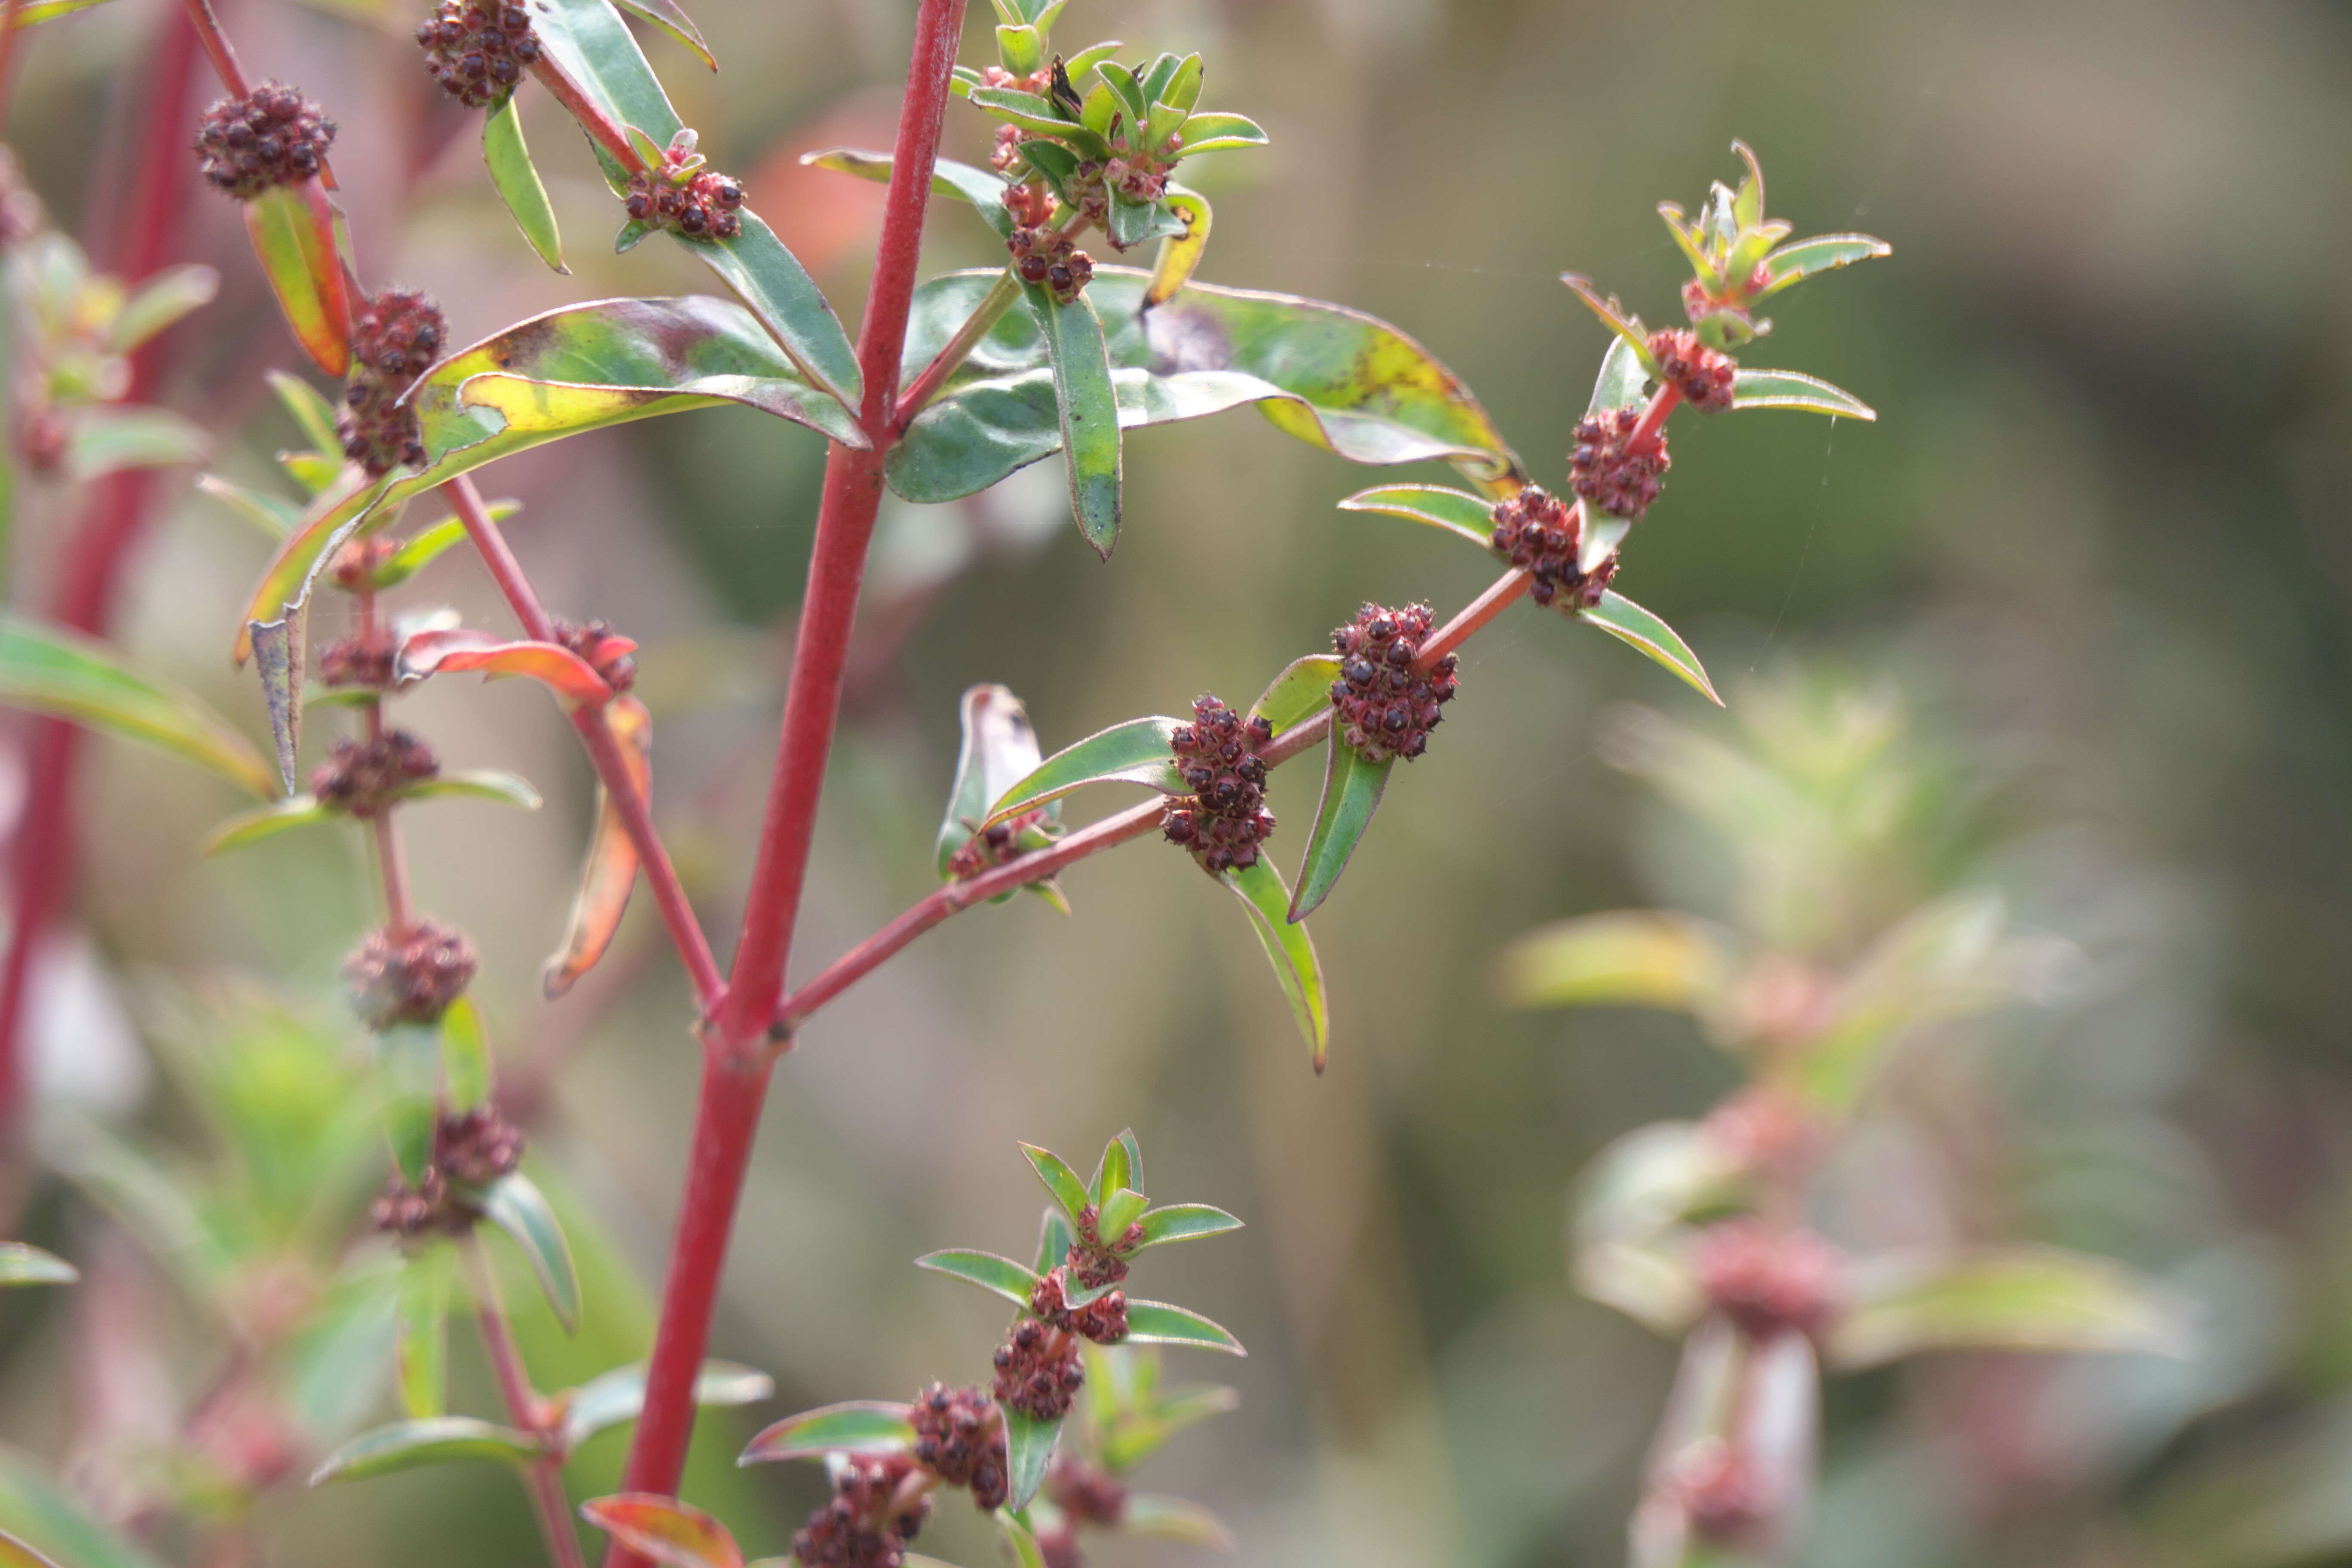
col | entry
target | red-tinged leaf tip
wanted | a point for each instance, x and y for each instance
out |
(453, 649)
(674, 1534)
(611, 872)
(293, 233)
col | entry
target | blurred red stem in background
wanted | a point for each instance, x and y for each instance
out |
(738, 1049)
(41, 857)
(544, 1475)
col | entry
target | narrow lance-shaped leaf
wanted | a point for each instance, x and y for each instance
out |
(612, 1398)
(427, 544)
(771, 280)
(670, 19)
(1351, 793)
(277, 658)
(161, 300)
(437, 1440)
(312, 414)
(267, 821)
(1615, 316)
(47, 670)
(999, 1276)
(23, 1263)
(859, 1427)
(1062, 1183)
(1789, 389)
(1302, 690)
(673, 1534)
(518, 1207)
(293, 233)
(465, 1071)
(1288, 949)
(1793, 263)
(1026, 1551)
(41, 1515)
(2038, 1299)
(1217, 130)
(1159, 1323)
(1456, 512)
(457, 648)
(1186, 1222)
(1626, 958)
(1134, 752)
(517, 184)
(1174, 1519)
(274, 515)
(109, 438)
(285, 583)
(479, 783)
(1055, 1240)
(1624, 619)
(1028, 1447)
(1114, 1170)
(1180, 255)
(984, 190)
(1088, 408)
(421, 1334)
(611, 871)
(49, 10)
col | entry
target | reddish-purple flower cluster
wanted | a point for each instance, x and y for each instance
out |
(1224, 819)
(960, 1438)
(1384, 704)
(866, 1522)
(470, 1151)
(359, 660)
(395, 339)
(272, 136)
(1052, 261)
(1537, 530)
(411, 979)
(707, 206)
(1610, 472)
(478, 49)
(1102, 1320)
(1770, 1282)
(1038, 1371)
(1702, 374)
(362, 778)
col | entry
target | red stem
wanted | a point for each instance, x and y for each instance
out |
(545, 1474)
(42, 855)
(736, 1057)
(604, 747)
(216, 45)
(391, 863)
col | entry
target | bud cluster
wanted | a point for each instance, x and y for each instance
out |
(1610, 472)
(1050, 259)
(1770, 1282)
(1224, 819)
(1539, 532)
(1703, 375)
(363, 659)
(864, 1525)
(478, 49)
(1094, 1262)
(994, 845)
(1038, 1371)
(470, 1151)
(272, 136)
(697, 203)
(396, 338)
(960, 1438)
(412, 978)
(362, 778)
(1102, 1320)
(1086, 1492)
(604, 650)
(1384, 706)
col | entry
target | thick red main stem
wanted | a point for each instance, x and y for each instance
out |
(737, 1052)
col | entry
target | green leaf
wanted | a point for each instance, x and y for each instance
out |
(518, 183)
(314, 471)
(1626, 621)
(1026, 1551)
(21, 1264)
(1114, 1170)
(1793, 264)
(666, 14)
(1159, 1323)
(1173, 1519)
(37, 1512)
(48, 10)
(1624, 381)
(1186, 1222)
(1055, 1236)
(1087, 407)
(986, 1269)
(427, 544)
(586, 43)
(664, 1530)
(421, 1334)
(1028, 1446)
(1600, 537)
(14, 1554)
(1182, 89)
(859, 1427)
(516, 1206)
(1288, 949)
(109, 439)
(1456, 512)
(1038, 116)
(466, 1072)
(1351, 793)
(293, 232)
(2017, 1298)
(1302, 690)
(982, 189)
(411, 1445)
(162, 300)
(1133, 752)
(1121, 1209)
(313, 415)
(49, 670)
(1062, 1183)
(1788, 389)
(1326, 376)
(485, 783)
(275, 516)
(617, 1396)
(267, 821)
(1615, 316)
(1627, 958)
(1132, 100)
(780, 293)
(1214, 132)
(1180, 254)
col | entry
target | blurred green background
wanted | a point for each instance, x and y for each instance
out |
(2099, 538)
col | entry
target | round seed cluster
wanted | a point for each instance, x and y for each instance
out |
(1088, 1493)
(1102, 1320)
(1094, 1263)
(478, 49)
(1609, 471)
(1224, 819)
(477, 1147)
(960, 1438)
(1039, 1372)
(1537, 530)
(862, 1525)
(1384, 707)
(704, 206)
(359, 660)
(361, 777)
(272, 136)
(395, 339)
(1048, 258)
(992, 845)
(412, 980)
(604, 650)
(1770, 1282)
(1702, 374)
(409, 1212)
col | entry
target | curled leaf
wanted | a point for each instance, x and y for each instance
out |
(293, 233)
(666, 14)
(1789, 389)
(1456, 512)
(1134, 752)
(611, 871)
(1062, 1183)
(1793, 263)
(1000, 749)
(676, 1534)
(457, 648)
(1180, 254)
(516, 1206)
(1626, 621)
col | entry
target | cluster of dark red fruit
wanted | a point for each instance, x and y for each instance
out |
(1770, 1282)
(1224, 819)
(604, 650)
(272, 136)
(994, 845)
(1083, 1494)
(1384, 705)
(865, 1523)
(396, 338)
(410, 978)
(1038, 1371)
(1102, 1320)
(1702, 374)
(1092, 1262)
(478, 49)
(470, 1151)
(362, 778)
(1051, 259)
(477, 1147)
(1610, 471)
(1539, 532)
(960, 1438)
(363, 659)
(705, 205)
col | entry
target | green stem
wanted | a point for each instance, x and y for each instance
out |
(999, 300)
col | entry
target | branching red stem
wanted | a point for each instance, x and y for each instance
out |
(544, 1475)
